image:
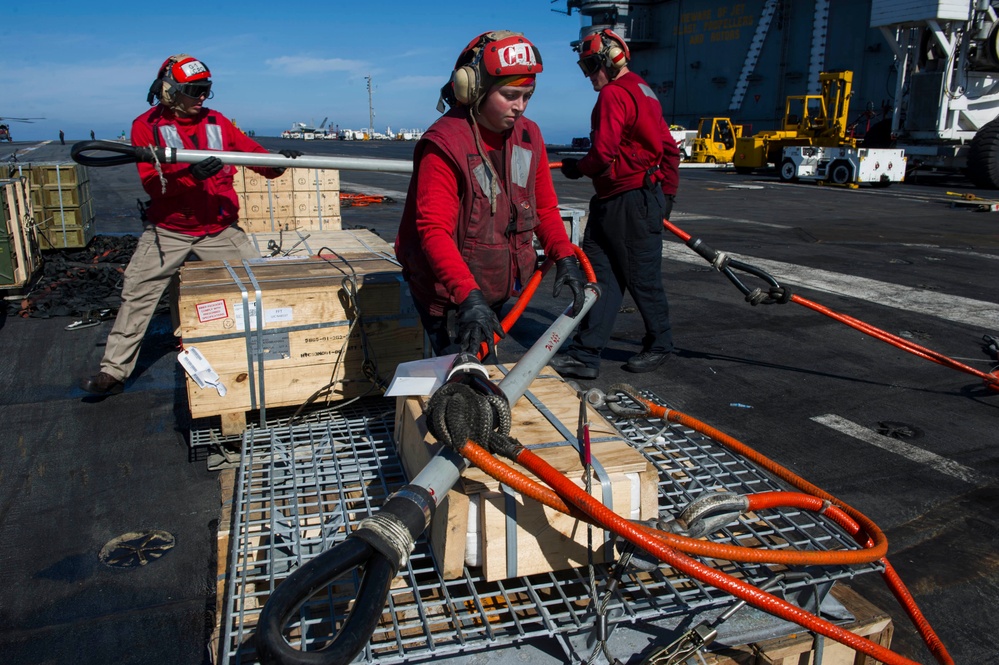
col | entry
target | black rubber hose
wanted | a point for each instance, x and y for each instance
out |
(301, 585)
(121, 153)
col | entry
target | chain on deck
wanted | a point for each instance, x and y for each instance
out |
(303, 488)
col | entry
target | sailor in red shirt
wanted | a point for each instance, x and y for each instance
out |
(192, 208)
(634, 164)
(481, 190)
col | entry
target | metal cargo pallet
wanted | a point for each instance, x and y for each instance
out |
(303, 488)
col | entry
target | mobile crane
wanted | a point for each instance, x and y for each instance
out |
(946, 101)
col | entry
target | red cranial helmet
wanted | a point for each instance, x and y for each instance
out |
(488, 58)
(605, 49)
(181, 74)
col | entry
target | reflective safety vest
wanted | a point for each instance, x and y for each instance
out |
(497, 246)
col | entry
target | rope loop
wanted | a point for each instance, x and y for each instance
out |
(457, 413)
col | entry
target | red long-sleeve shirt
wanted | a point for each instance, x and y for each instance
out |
(628, 133)
(188, 205)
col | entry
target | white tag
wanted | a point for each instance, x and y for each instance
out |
(199, 369)
(420, 377)
(273, 315)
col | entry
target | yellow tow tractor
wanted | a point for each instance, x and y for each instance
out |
(715, 141)
(809, 120)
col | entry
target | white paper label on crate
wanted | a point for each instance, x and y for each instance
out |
(212, 311)
(275, 315)
(200, 370)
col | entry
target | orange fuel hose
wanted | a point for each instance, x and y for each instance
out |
(670, 547)
(892, 579)
(528, 291)
(673, 557)
(991, 380)
(869, 536)
(874, 547)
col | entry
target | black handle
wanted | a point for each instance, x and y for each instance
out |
(121, 153)
(301, 585)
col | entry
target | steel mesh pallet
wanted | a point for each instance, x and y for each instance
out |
(303, 488)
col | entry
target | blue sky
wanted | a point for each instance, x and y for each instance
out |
(88, 65)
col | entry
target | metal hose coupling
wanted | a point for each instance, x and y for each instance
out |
(613, 401)
(393, 530)
(709, 512)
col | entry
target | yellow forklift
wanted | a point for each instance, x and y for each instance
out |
(715, 142)
(809, 120)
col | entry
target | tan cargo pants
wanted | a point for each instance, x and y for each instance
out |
(157, 259)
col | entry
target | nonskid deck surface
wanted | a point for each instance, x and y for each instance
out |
(907, 442)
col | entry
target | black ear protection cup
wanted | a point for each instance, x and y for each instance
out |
(155, 90)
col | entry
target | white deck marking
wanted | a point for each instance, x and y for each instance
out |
(951, 308)
(908, 451)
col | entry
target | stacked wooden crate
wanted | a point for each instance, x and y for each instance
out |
(330, 320)
(64, 209)
(19, 256)
(304, 199)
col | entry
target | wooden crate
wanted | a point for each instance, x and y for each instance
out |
(66, 227)
(250, 181)
(58, 174)
(545, 539)
(331, 223)
(315, 180)
(265, 205)
(311, 204)
(799, 648)
(66, 237)
(307, 316)
(308, 242)
(18, 233)
(54, 196)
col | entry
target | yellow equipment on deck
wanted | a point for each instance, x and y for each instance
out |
(809, 120)
(715, 142)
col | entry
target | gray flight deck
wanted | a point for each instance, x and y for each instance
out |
(910, 443)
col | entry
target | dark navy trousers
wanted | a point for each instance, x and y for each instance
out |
(624, 242)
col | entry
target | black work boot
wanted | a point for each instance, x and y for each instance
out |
(102, 384)
(568, 366)
(647, 361)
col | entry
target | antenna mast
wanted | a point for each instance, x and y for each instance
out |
(371, 111)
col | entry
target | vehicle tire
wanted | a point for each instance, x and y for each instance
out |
(788, 171)
(983, 157)
(840, 173)
(710, 160)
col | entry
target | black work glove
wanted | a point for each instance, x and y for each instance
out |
(206, 168)
(476, 323)
(291, 154)
(567, 272)
(570, 168)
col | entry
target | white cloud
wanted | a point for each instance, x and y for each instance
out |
(300, 65)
